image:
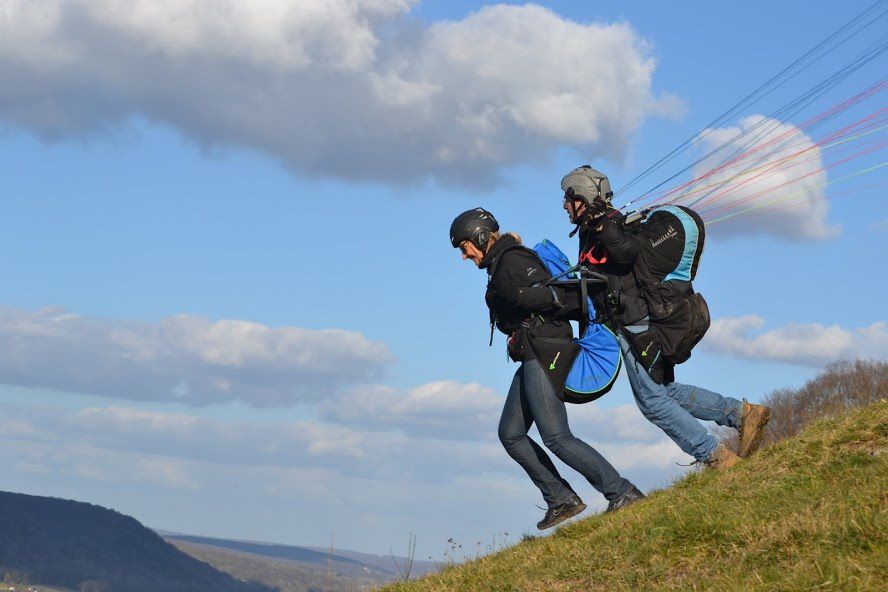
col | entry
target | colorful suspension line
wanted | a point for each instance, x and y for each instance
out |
(777, 163)
(797, 193)
(752, 150)
(769, 168)
(730, 204)
(768, 210)
(785, 112)
(809, 58)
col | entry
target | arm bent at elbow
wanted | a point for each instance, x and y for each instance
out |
(621, 245)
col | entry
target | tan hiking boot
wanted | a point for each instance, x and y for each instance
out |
(722, 458)
(752, 425)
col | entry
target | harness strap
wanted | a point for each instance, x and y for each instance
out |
(584, 304)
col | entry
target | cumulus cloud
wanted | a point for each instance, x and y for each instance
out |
(765, 175)
(444, 409)
(183, 358)
(353, 89)
(623, 423)
(468, 411)
(807, 344)
(299, 444)
(164, 440)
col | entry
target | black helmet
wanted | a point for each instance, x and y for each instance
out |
(474, 225)
(587, 184)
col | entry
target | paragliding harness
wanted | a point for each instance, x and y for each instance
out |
(580, 370)
(671, 240)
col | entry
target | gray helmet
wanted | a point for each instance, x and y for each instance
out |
(474, 225)
(587, 184)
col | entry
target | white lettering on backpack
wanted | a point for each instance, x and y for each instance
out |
(669, 234)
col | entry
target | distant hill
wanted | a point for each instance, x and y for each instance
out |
(281, 574)
(343, 562)
(78, 545)
(302, 555)
(384, 562)
(806, 513)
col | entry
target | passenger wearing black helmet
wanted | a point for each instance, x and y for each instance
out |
(524, 310)
(610, 247)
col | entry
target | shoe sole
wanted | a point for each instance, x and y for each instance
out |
(749, 446)
(562, 517)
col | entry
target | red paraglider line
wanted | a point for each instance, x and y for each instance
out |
(844, 105)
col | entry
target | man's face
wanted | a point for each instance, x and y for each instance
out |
(470, 251)
(574, 208)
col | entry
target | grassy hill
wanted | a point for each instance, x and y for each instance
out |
(808, 513)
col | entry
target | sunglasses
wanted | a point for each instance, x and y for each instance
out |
(571, 195)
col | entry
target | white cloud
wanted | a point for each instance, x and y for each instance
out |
(272, 478)
(382, 438)
(468, 411)
(808, 344)
(623, 423)
(661, 455)
(772, 175)
(296, 444)
(183, 358)
(353, 89)
(444, 409)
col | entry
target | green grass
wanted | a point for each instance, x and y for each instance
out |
(808, 513)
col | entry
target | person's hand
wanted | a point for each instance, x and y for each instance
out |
(598, 208)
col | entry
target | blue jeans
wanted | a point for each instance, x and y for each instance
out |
(532, 399)
(675, 408)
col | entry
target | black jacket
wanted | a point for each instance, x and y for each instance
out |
(515, 297)
(613, 250)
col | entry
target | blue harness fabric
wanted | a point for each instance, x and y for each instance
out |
(599, 359)
(692, 243)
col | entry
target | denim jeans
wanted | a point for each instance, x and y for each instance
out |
(675, 408)
(532, 399)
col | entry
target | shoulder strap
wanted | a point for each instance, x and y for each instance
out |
(492, 269)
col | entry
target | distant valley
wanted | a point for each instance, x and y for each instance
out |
(292, 568)
(72, 545)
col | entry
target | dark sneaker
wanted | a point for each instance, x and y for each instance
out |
(752, 425)
(559, 514)
(631, 496)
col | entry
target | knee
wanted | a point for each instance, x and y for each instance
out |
(555, 440)
(678, 391)
(510, 437)
(652, 407)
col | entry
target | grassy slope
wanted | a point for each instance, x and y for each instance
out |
(807, 513)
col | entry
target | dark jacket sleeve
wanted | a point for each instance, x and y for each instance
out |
(621, 245)
(514, 281)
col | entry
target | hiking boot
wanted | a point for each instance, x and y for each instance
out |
(631, 496)
(722, 458)
(560, 513)
(753, 419)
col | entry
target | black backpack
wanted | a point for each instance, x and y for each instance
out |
(671, 241)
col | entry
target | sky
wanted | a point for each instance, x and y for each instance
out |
(231, 306)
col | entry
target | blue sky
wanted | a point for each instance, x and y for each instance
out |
(186, 216)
